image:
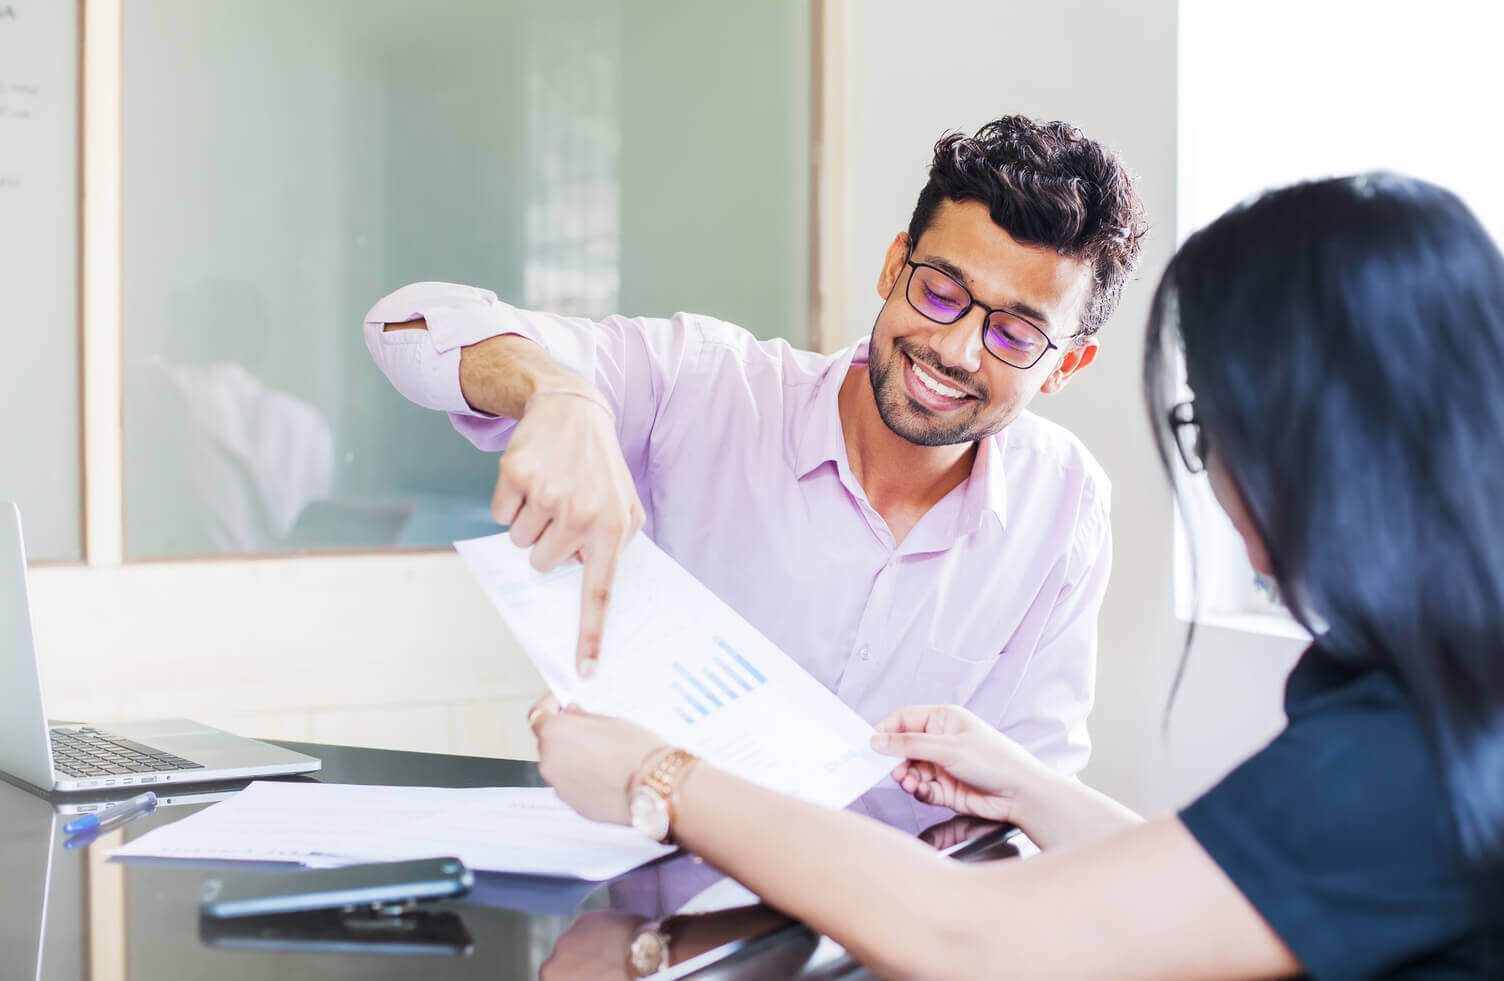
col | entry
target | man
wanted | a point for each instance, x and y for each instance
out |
(888, 515)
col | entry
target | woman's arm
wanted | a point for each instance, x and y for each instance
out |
(954, 759)
(1146, 901)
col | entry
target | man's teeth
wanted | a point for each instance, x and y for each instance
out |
(935, 386)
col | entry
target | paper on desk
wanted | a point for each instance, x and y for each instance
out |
(679, 661)
(525, 830)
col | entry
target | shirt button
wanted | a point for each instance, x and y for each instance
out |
(864, 652)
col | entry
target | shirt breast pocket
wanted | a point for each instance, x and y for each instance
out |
(947, 678)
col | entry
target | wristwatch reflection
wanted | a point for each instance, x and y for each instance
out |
(634, 941)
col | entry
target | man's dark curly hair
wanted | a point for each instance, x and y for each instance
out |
(1045, 184)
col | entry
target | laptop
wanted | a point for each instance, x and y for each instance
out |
(76, 757)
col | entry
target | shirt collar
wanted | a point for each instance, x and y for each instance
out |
(986, 487)
(820, 440)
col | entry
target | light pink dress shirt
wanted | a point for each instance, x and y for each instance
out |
(735, 445)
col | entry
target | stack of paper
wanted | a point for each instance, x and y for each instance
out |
(526, 830)
(682, 663)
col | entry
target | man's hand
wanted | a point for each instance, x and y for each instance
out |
(565, 490)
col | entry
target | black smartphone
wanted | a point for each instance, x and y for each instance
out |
(328, 931)
(381, 885)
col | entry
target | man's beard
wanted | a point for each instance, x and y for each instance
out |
(911, 422)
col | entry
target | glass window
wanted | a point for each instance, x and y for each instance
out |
(287, 163)
(1297, 89)
(40, 414)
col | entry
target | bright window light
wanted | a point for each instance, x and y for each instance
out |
(1286, 90)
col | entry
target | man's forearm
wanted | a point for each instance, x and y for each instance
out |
(499, 374)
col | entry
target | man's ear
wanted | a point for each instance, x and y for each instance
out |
(898, 254)
(1075, 359)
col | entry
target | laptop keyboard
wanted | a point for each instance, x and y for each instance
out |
(91, 752)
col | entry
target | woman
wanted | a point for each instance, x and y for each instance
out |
(1345, 343)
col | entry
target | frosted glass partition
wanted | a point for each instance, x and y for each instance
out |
(40, 458)
(288, 162)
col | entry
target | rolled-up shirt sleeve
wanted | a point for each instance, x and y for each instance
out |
(424, 365)
(634, 363)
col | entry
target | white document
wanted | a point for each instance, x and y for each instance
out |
(682, 663)
(525, 830)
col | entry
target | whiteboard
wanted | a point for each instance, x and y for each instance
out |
(40, 466)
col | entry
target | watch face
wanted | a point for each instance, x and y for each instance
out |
(649, 953)
(649, 813)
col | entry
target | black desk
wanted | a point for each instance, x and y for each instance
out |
(69, 913)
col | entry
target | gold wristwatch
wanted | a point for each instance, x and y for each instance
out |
(650, 951)
(651, 803)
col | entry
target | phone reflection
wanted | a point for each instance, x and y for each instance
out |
(420, 933)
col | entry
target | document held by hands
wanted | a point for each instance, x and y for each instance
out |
(680, 662)
(525, 830)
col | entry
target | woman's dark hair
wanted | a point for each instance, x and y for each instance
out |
(1344, 341)
(1045, 184)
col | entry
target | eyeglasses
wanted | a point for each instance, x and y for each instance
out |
(1189, 437)
(1006, 336)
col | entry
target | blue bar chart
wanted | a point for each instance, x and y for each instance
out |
(719, 680)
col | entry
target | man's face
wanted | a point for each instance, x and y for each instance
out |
(935, 383)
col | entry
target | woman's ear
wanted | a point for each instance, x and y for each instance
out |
(1231, 501)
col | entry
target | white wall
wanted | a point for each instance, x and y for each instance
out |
(1111, 69)
(401, 651)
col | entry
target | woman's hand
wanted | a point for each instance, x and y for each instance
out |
(590, 759)
(954, 759)
(596, 947)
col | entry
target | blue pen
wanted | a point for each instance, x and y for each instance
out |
(126, 808)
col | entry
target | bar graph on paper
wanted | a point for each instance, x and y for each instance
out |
(722, 678)
(679, 661)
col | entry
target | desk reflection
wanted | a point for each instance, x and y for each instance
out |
(73, 913)
(749, 940)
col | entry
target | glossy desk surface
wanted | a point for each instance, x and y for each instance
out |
(68, 912)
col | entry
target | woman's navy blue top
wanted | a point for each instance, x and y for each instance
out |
(1338, 833)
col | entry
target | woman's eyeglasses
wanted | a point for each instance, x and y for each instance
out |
(1189, 437)
(1006, 336)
